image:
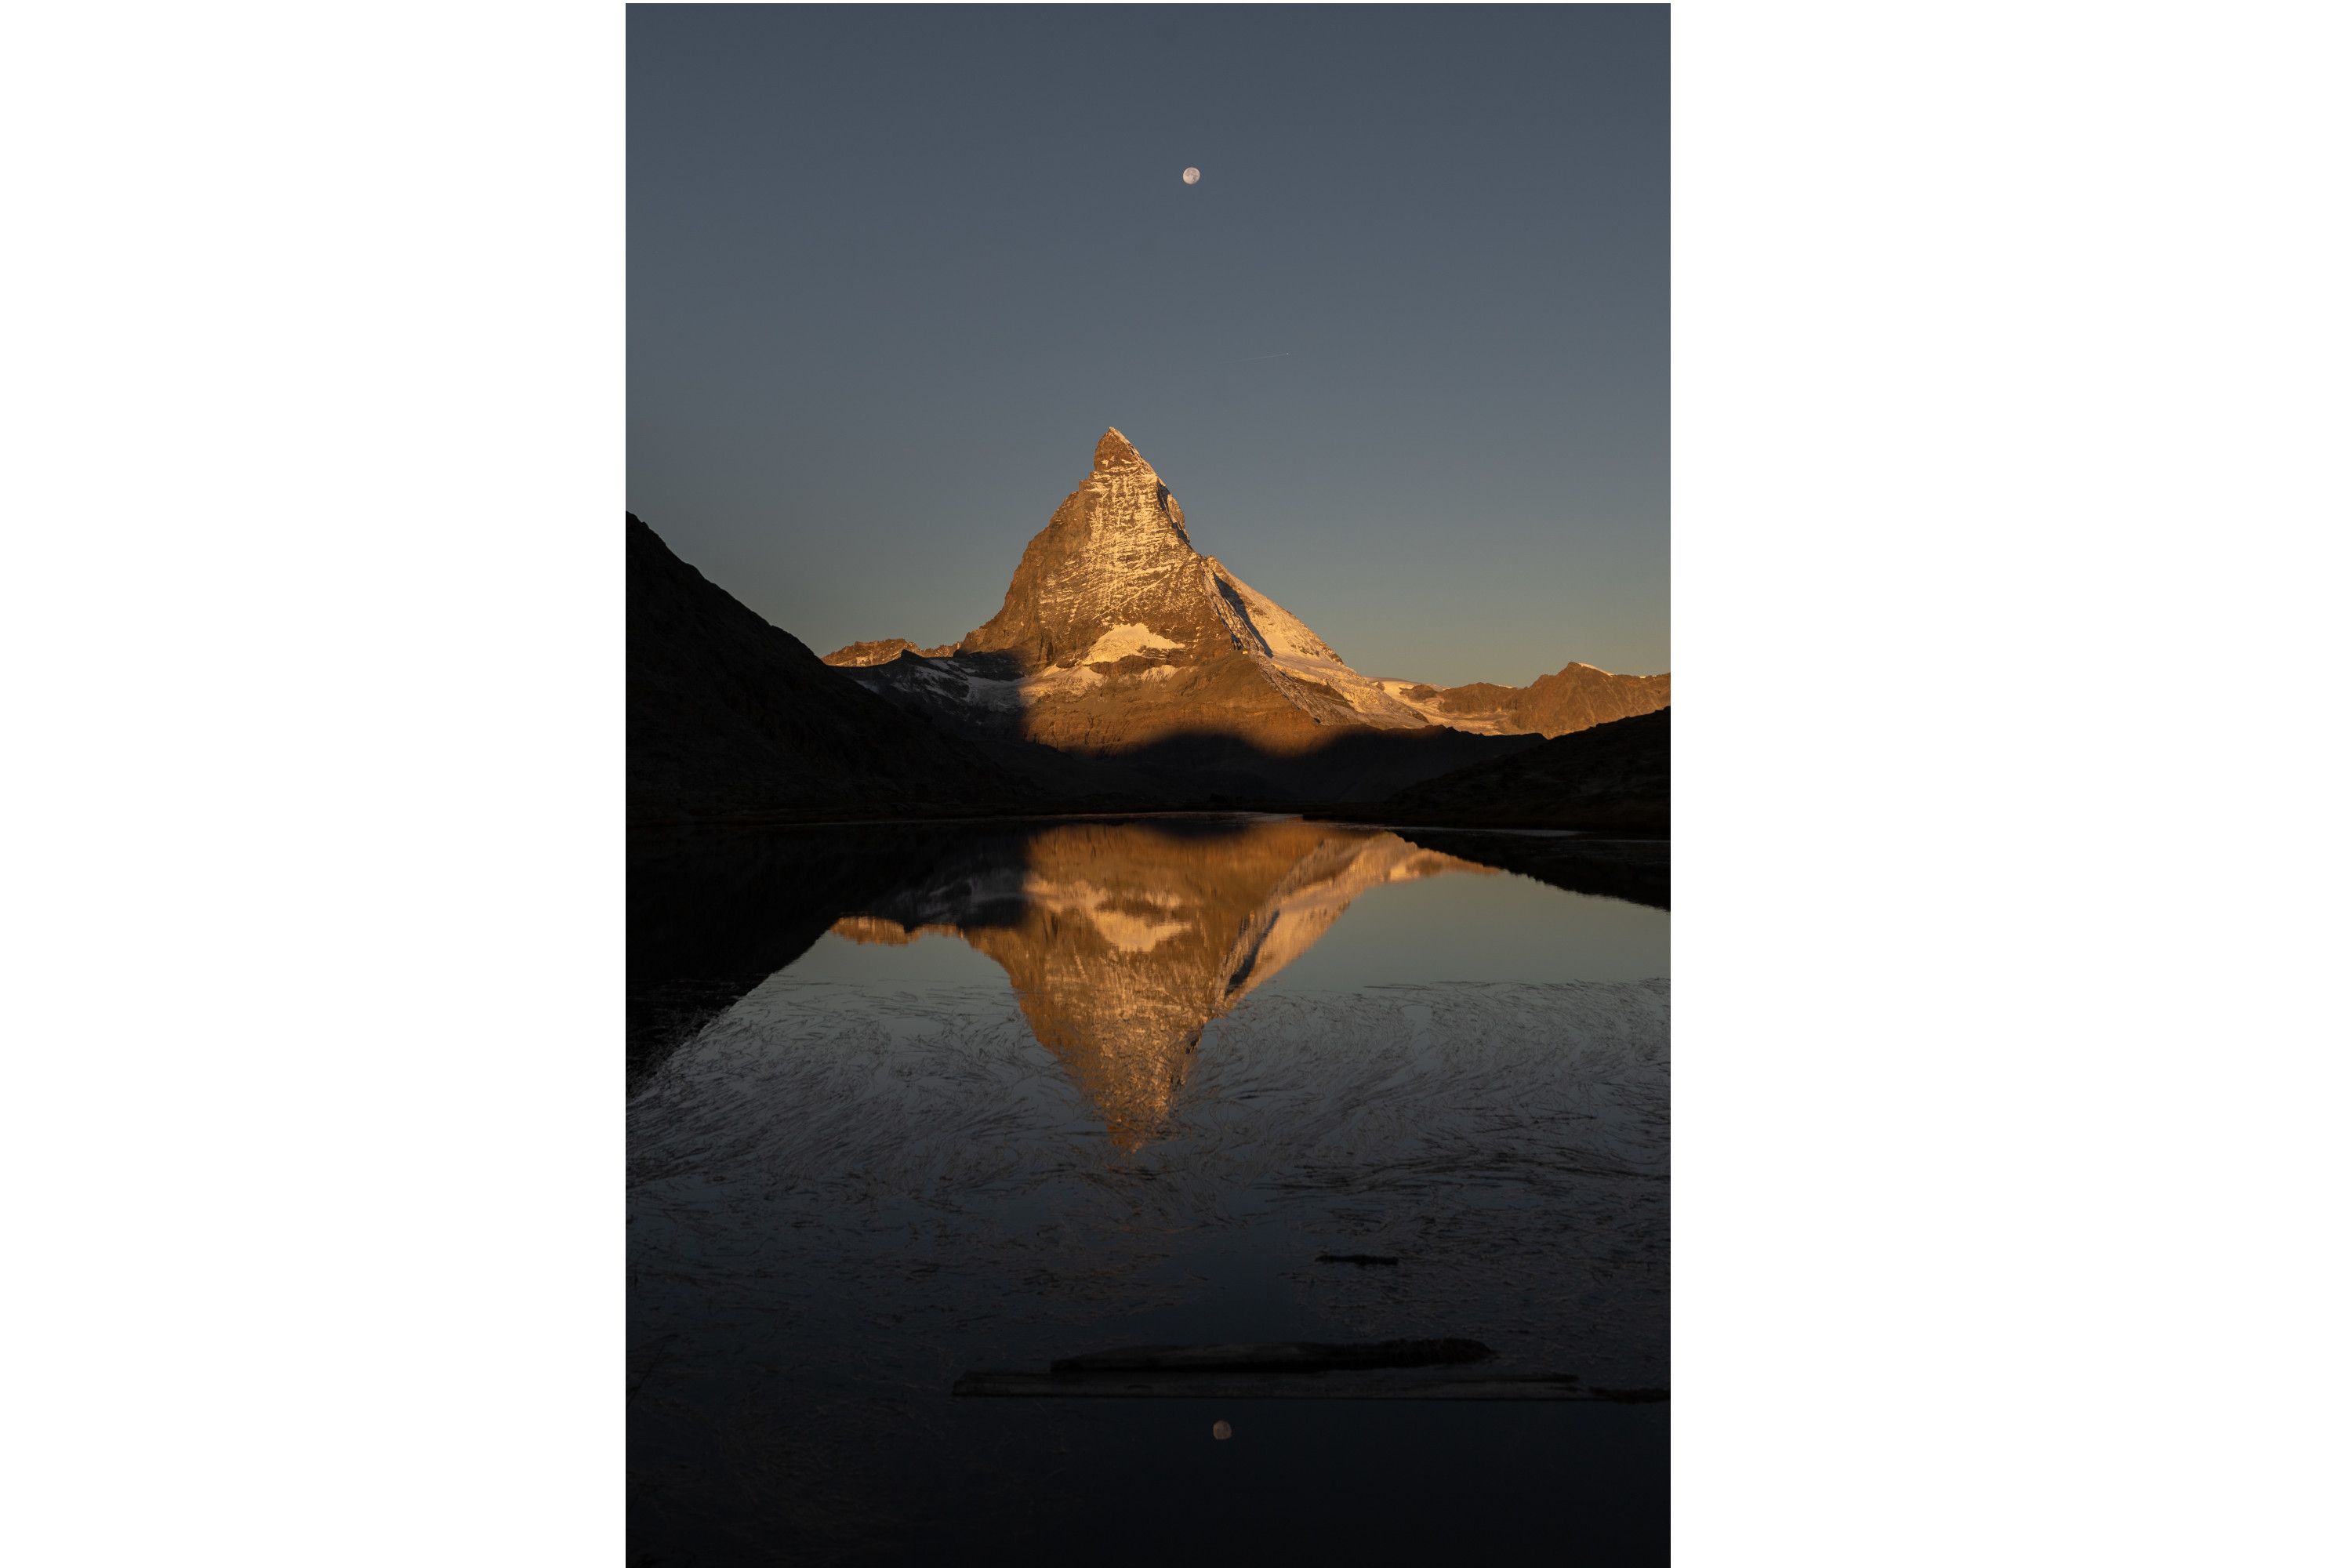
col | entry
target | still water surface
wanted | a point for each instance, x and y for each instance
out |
(909, 1104)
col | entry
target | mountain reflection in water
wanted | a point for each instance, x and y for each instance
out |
(1123, 938)
(1122, 942)
(908, 1101)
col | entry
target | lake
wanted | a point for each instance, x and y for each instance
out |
(909, 1103)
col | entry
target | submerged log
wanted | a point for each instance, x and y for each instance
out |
(1279, 1385)
(1286, 1358)
(1368, 1259)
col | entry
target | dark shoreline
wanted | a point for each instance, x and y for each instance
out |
(1637, 870)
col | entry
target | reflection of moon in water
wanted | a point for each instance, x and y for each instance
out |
(1192, 177)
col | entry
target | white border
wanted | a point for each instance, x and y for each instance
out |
(2009, 515)
(314, 649)
(2009, 432)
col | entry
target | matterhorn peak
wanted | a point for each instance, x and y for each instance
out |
(1115, 450)
(1115, 629)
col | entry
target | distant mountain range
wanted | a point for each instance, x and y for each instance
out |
(1125, 669)
(1576, 698)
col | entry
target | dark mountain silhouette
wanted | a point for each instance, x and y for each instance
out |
(714, 912)
(1612, 778)
(731, 718)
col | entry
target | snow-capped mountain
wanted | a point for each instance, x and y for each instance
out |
(1117, 632)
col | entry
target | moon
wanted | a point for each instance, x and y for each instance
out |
(1192, 177)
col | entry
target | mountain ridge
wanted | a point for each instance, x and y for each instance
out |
(1610, 778)
(732, 719)
(1116, 631)
(1576, 696)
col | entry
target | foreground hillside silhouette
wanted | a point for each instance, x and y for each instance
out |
(1613, 778)
(730, 717)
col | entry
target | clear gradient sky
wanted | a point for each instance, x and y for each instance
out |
(1402, 354)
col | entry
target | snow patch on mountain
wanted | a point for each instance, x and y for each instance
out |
(1127, 930)
(1276, 630)
(1127, 638)
(1427, 708)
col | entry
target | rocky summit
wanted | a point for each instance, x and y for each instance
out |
(1118, 635)
(1117, 632)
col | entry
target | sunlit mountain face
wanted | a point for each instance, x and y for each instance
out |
(1116, 631)
(1124, 940)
